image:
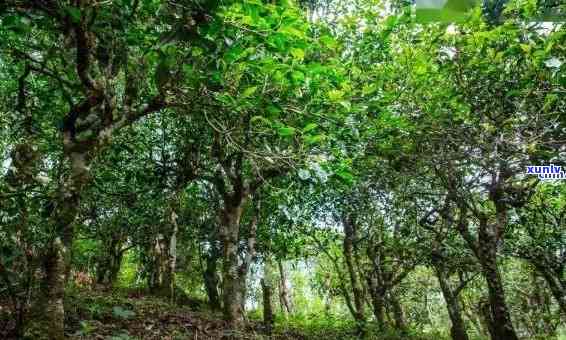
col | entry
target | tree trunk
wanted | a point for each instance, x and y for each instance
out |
(501, 320)
(458, 329)
(267, 289)
(110, 262)
(398, 314)
(485, 249)
(53, 289)
(378, 302)
(267, 307)
(242, 288)
(557, 287)
(487, 318)
(211, 280)
(229, 233)
(250, 256)
(162, 279)
(108, 270)
(283, 290)
(158, 264)
(169, 275)
(57, 259)
(357, 291)
(328, 296)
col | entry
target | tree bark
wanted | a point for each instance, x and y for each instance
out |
(250, 255)
(267, 306)
(110, 261)
(108, 270)
(398, 314)
(557, 287)
(284, 299)
(357, 291)
(53, 287)
(458, 329)
(242, 288)
(267, 289)
(157, 264)
(501, 320)
(229, 233)
(328, 296)
(164, 253)
(169, 278)
(211, 280)
(485, 249)
(57, 258)
(378, 304)
(381, 281)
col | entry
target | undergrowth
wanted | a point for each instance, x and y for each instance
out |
(124, 314)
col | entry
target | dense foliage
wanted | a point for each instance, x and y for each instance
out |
(279, 169)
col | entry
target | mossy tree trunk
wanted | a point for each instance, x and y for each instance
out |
(229, 233)
(485, 248)
(211, 279)
(350, 238)
(284, 296)
(458, 328)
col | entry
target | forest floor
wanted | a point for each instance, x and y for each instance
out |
(93, 314)
(133, 314)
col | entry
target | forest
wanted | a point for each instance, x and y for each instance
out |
(282, 169)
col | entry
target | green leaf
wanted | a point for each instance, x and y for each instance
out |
(335, 95)
(286, 131)
(345, 175)
(249, 91)
(261, 119)
(329, 41)
(298, 53)
(421, 69)
(346, 104)
(298, 76)
(549, 101)
(233, 54)
(74, 13)
(292, 31)
(313, 139)
(225, 98)
(369, 89)
(273, 110)
(316, 69)
(196, 51)
(17, 24)
(122, 313)
(310, 127)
